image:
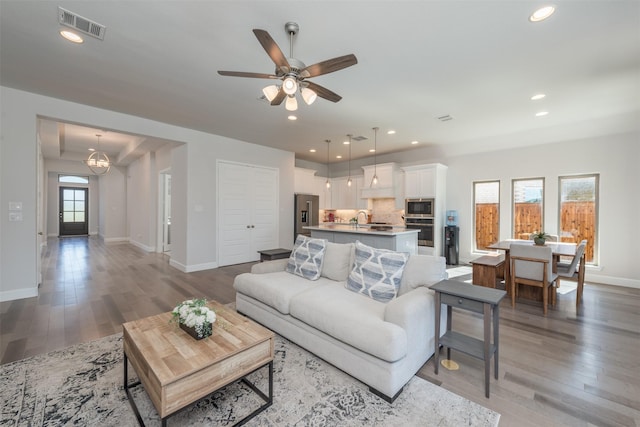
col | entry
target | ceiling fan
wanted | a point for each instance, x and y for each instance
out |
(293, 72)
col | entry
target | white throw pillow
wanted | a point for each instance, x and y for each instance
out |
(306, 257)
(338, 259)
(422, 270)
(377, 272)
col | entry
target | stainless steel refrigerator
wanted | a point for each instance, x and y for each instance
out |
(307, 209)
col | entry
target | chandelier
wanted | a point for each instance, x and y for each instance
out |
(98, 161)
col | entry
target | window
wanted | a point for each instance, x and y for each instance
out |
(579, 212)
(528, 207)
(73, 179)
(486, 200)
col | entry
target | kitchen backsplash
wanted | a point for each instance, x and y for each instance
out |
(383, 210)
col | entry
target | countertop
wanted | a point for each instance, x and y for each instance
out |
(362, 229)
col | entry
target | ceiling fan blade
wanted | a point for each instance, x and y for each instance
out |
(279, 97)
(323, 92)
(250, 75)
(272, 49)
(329, 66)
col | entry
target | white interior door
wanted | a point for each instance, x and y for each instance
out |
(247, 206)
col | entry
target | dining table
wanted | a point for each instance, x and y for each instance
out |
(558, 249)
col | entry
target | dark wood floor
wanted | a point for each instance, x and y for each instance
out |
(568, 368)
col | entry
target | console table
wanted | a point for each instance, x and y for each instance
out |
(472, 298)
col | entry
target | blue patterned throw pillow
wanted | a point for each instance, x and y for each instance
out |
(377, 272)
(306, 257)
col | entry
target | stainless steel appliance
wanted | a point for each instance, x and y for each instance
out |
(419, 208)
(307, 209)
(425, 227)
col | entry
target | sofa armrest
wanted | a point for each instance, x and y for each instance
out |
(414, 312)
(270, 266)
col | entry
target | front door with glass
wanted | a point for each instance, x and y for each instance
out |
(74, 215)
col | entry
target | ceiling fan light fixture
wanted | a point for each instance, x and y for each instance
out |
(290, 85)
(291, 104)
(270, 92)
(308, 95)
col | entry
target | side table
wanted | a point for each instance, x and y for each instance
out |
(273, 254)
(479, 300)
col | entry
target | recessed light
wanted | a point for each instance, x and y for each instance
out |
(538, 96)
(71, 36)
(92, 149)
(541, 113)
(313, 150)
(372, 150)
(414, 142)
(292, 117)
(542, 14)
(391, 132)
(346, 143)
(338, 157)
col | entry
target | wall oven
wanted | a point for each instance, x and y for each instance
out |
(419, 208)
(424, 227)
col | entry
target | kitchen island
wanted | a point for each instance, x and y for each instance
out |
(394, 238)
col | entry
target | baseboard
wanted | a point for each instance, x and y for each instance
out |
(142, 246)
(610, 280)
(18, 294)
(194, 267)
(115, 239)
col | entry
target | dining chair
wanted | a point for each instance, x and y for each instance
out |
(533, 266)
(574, 271)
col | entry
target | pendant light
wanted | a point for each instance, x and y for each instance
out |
(374, 180)
(328, 183)
(349, 181)
(98, 161)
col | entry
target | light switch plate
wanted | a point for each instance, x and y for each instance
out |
(15, 206)
(15, 216)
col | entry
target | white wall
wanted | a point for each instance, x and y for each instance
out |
(141, 194)
(616, 158)
(193, 181)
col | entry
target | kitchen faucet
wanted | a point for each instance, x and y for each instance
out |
(366, 216)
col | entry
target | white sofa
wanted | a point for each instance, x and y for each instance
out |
(381, 344)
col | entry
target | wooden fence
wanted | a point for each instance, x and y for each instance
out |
(577, 223)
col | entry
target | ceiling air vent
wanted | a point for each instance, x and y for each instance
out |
(445, 118)
(359, 138)
(81, 24)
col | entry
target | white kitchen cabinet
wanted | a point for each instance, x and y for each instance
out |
(304, 181)
(419, 183)
(425, 182)
(344, 196)
(320, 185)
(361, 203)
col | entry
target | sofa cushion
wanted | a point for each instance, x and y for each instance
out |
(377, 272)
(338, 259)
(352, 319)
(422, 270)
(274, 289)
(306, 257)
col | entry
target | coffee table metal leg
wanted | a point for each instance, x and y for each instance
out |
(127, 389)
(267, 398)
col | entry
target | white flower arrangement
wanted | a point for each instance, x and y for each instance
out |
(194, 313)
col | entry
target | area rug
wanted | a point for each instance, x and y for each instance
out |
(82, 385)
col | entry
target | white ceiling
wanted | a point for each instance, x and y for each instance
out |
(478, 61)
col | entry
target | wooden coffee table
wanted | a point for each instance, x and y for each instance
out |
(176, 370)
